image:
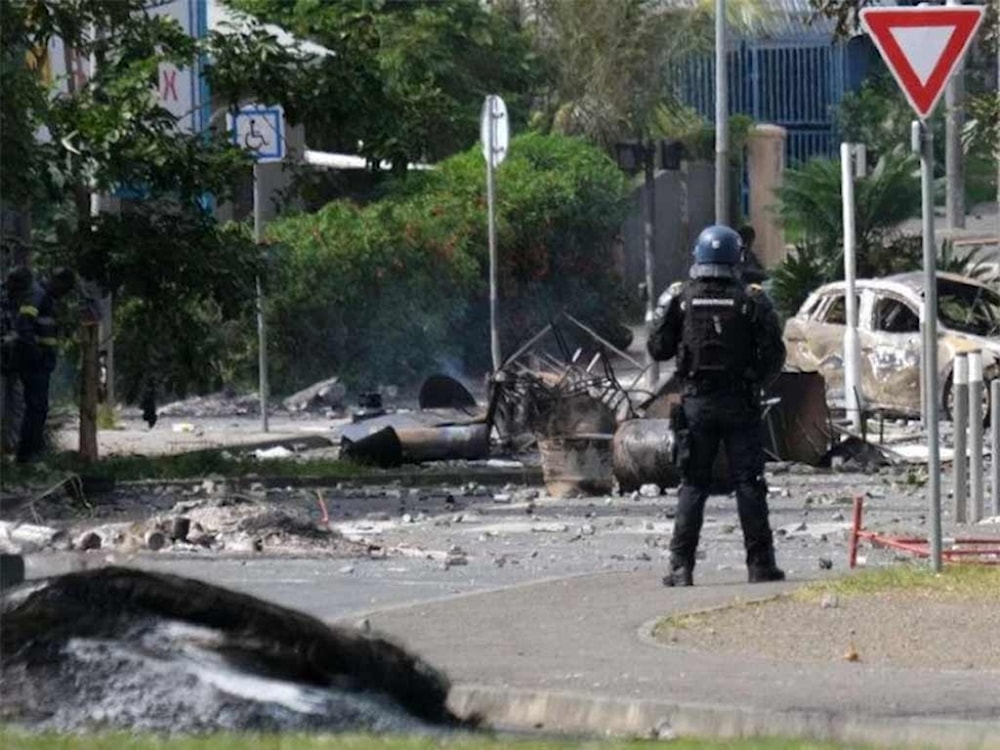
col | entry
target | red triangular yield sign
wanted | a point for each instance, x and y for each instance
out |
(922, 46)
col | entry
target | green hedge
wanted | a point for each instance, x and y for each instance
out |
(390, 291)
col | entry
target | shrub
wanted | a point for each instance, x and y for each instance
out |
(393, 290)
(805, 268)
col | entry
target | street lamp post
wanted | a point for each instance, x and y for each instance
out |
(721, 117)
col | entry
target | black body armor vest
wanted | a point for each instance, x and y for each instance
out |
(717, 338)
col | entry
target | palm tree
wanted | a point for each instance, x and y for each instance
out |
(612, 60)
(811, 207)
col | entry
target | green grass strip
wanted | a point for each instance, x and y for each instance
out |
(959, 580)
(208, 463)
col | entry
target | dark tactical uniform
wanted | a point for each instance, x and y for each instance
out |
(15, 287)
(751, 269)
(35, 349)
(728, 343)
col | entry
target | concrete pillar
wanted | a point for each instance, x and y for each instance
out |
(766, 168)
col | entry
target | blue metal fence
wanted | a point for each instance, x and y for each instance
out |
(796, 83)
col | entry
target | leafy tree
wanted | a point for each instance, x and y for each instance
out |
(876, 115)
(810, 205)
(406, 80)
(615, 62)
(163, 255)
(981, 139)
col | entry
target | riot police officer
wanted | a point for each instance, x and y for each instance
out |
(36, 344)
(726, 337)
(17, 285)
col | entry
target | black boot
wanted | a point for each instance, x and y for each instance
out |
(764, 569)
(681, 574)
(765, 574)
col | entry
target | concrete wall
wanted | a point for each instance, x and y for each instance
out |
(684, 206)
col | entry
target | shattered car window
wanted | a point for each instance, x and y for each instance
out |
(810, 307)
(968, 308)
(895, 316)
(836, 312)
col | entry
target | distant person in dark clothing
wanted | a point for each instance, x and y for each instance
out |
(751, 269)
(15, 289)
(35, 347)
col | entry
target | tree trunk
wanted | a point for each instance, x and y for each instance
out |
(89, 330)
(89, 333)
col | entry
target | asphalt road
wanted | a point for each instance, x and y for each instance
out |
(500, 537)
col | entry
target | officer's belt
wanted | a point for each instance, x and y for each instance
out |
(722, 386)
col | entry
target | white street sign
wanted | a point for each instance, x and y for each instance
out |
(260, 130)
(494, 117)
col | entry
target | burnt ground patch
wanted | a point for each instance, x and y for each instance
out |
(122, 648)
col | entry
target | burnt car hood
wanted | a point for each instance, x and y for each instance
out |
(967, 342)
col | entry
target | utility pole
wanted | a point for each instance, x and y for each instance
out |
(649, 240)
(721, 117)
(852, 346)
(922, 138)
(954, 101)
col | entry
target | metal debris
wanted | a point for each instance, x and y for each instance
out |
(444, 392)
(531, 390)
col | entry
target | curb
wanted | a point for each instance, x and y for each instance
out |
(568, 712)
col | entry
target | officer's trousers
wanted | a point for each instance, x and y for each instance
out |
(36, 410)
(732, 419)
(11, 410)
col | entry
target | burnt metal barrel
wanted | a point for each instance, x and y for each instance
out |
(577, 464)
(641, 455)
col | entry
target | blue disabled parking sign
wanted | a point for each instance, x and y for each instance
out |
(260, 130)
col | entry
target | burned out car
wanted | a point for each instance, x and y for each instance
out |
(890, 336)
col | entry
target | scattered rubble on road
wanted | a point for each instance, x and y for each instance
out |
(222, 404)
(322, 397)
(214, 520)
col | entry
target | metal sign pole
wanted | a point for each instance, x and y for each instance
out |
(995, 429)
(924, 139)
(261, 130)
(492, 231)
(852, 346)
(258, 225)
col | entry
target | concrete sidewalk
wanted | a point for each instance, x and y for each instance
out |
(575, 655)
